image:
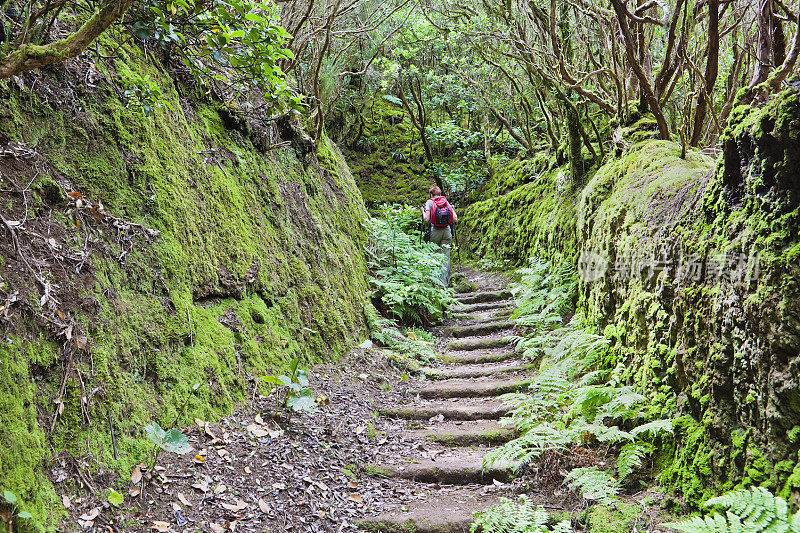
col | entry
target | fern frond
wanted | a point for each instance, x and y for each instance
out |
(654, 428)
(510, 517)
(593, 484)
(630, 458)
(754, 510)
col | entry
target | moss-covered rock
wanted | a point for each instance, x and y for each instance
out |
(527, 209)
(259, 259)
(700, 286)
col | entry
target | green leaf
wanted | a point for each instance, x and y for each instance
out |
(115, 498)
(25, 514)
(176, 442)
(155, 433)
(302, 378)
(10, 497)
(273, 379)
(302, 402)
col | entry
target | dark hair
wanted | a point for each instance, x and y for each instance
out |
(434, 191)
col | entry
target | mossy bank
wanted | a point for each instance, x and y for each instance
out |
(690, 266)
(212, 261)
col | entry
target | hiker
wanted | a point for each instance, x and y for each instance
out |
(440, 215)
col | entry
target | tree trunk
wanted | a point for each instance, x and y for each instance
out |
(644, 82)
(712, 70)
(763, 43)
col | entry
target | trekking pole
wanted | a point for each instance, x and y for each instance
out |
(458, 248)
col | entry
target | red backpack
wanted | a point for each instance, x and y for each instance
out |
(441, 212)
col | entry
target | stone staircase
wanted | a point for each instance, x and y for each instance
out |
(454, 411)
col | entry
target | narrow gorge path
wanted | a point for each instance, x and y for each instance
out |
(453, 414)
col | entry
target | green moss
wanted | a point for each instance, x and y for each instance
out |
(260, 259)
(536, 217)
(619, 517)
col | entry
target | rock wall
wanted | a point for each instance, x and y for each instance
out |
(691, 267)
(526, 209)
(159, 265)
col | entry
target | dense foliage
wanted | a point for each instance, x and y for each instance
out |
(406, 273)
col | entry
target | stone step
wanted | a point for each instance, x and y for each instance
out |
(474, 330)
(459, 467)
(478, 343)
(461, 388)
(475, 308)
(484, 297)
(488, 432)
(475, 371)
(438, 510)
(482, 317)
(463, 409)
(478, 356)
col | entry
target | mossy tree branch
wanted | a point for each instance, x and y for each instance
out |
(30, 56)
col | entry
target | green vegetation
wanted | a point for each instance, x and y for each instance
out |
(579, 401)
(406, 274)
(748, 511)
(167, 441)
(293, 389)
(522, 517)
(259, 261)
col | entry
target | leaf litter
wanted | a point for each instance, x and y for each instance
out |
(251, 473)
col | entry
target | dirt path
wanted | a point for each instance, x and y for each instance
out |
(383, 450)
(455, 406)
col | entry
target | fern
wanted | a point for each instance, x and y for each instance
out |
(630, 457)
(508, 517)
(654, 428)
(535, 441)
(575, 400)
(405, 274)
(593, 484)
(753, 510)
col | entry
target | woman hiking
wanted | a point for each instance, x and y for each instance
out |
(440, 215)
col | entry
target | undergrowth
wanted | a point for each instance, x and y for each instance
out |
(747, 511)
(577, 402)
(406, 273)
(522, 517)
(409, 350)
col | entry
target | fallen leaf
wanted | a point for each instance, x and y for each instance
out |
(219, 489)
(257, 431)
(216, 528)
(136, 475)
(176, 506)
(355, 498)
(259, 420)
(198, 459)
(279, 486)
(247, 470)
(235, 507)
(65, 502)
(352, 485)
(183, 499)
(201, 486)
(91, 515)
(134, 491)
(158, 525)
(263, 506)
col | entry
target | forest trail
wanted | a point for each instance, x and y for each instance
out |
(456, 405)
